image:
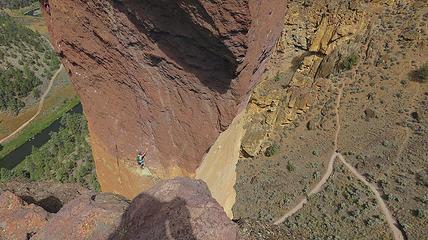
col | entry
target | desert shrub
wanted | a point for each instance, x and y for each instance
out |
(272, 150)
(419, 213)
(421, 74)
(290, 166)
(348, 62)
(279, 76)
(14, 85)
(36, 93)
(17, 81)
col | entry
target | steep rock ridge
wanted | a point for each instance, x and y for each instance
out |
(292, 106)
(166, 76)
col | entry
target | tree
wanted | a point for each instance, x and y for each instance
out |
(66, 157)
(36, 93)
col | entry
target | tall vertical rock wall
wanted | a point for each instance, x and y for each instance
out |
(166, 76)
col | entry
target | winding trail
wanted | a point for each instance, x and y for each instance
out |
(392, 222)
(42, 100)
(328, 172)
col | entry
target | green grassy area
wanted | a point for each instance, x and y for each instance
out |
(26, 62)
(17, 4)
(36, 23)
(26, 55)
(23, 50)
(37, 126)
(66, 157)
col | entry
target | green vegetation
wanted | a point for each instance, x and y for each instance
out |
(36, 127)
(36, 93)
(272, 150)
(25, 59)
(17, 35)
(16, 84)
(348, 62)
(279, 76)
(15, 4)
(343, 200)
(290, 166)
(421, 74)
(419, 213)
(66, 157)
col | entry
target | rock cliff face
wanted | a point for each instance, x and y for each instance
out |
(163, 76)
(174, 209)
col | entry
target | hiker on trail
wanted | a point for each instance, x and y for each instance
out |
(140, 158)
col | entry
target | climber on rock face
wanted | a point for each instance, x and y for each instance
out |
(140, 158)
(47, 6)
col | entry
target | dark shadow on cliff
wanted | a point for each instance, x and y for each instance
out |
(191, 46)
(148, 218)
(51, 204)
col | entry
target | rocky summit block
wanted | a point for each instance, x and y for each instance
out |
(19, 220)
(86, 217)
(174, 209)
(166, 77)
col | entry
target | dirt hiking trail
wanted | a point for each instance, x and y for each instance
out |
(392, 222)
(42, 100)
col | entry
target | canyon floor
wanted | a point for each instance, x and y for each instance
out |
(353, 164)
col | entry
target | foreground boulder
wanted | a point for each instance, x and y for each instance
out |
(49, 195)
(86, 217)
(176, 209)
(172, 209)
(19, 220)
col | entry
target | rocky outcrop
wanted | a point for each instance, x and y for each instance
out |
(162, 76)
(86, 217)
(308, 51)
(174, 209)
(19, 220)
(51, 196)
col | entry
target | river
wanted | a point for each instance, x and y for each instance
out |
(19, 154)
